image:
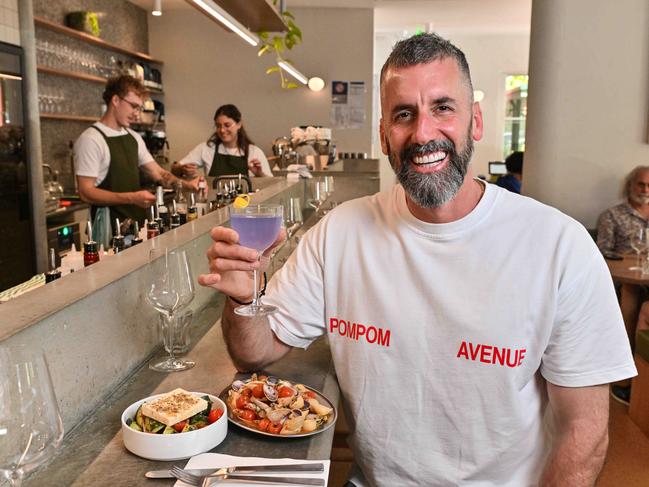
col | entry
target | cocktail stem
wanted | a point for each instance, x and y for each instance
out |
(255, 289)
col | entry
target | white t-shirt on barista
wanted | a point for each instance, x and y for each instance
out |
(443, 335)
(203, 154)
(92, 155)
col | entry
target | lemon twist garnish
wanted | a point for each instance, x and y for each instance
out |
(241, 201)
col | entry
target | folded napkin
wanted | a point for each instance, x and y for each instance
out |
(218, 460)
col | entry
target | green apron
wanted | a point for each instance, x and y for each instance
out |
(225, 164)
(123, 175)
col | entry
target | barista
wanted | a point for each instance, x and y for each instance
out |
(108, 156)
(228, 150)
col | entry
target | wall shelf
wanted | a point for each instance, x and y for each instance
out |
(73, 118)
(61, 29)
(86, 77)
(256, 15)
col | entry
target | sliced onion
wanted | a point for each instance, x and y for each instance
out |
(270, 393)
(271, 381)
(237, 385)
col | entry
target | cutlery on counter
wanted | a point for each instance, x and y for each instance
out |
(202, 472)
(208, 480)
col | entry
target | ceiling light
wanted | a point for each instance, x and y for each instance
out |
(316, 84)
(217, 13)
(293, 72)
(157, 8)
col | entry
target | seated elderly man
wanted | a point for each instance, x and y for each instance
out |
(617, 225)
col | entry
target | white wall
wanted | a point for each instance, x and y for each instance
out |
(9, 30)
(491, 58)
(211, 67)
(588, 102)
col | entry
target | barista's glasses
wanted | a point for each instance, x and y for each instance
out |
(136, 107)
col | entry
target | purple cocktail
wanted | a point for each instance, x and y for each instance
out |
(256, 231)
(258, 227)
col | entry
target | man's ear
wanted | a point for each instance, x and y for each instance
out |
(476, 122)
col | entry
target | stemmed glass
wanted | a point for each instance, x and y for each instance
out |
(319, 195)
(258, 227)
(639, 243)
(171, 289)
(30, 424)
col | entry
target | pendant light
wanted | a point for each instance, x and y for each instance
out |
(157, 8)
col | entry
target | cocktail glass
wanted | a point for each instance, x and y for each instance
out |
(258, 226)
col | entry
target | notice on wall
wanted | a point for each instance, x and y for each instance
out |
(348, 104)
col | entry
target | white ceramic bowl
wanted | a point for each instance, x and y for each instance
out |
(176, 446)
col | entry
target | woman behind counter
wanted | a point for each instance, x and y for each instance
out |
(228, 150)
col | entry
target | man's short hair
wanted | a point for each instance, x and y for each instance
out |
(425, 48)
(514, 162)
(120, 86)
(630, 179)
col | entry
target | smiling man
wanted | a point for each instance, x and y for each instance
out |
(109, 155)
(465, 322)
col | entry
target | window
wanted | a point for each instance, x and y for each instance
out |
(515, 113)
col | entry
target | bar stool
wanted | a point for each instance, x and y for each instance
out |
(639, 404)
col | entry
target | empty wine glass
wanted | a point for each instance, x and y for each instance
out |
(319, 195)
(30, 424)
(293, 220)
(171, 288)
(258, 227)
(639, 243)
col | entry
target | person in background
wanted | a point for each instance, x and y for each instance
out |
(512, 180)
(228, 151)
(453, 323)
(616, 226)
(108, 156)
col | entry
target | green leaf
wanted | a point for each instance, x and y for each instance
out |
(292, 85)
(278, 44)
(272, 69)
(288, 14)
(263, 50)
(263, 35)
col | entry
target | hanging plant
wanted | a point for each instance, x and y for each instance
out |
(280, 43)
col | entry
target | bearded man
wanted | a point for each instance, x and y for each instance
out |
(619, 225)
(482, 310)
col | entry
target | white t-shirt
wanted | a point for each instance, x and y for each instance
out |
(443, 335)
(203, 154)
(92, 155)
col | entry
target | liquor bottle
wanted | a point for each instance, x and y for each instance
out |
(181, 203)
(90, 249)
(136, 236)
(53, 274)
(152, 227)
(175, 217)
(192, 211)
(163, 211)
(201, 201)
(239, 186)
(118, 240)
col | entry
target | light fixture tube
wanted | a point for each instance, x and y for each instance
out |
(293, 72)
(215, 11)
(157, 8)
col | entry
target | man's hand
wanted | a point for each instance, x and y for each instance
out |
(231, 264)
(190, 170)
(191, 185)
(254, 165)
(580, 415)
(142, 198)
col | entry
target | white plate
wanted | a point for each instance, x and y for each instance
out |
(322, 399)
(177, 446)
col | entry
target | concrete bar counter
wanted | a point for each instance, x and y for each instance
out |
(98, 334)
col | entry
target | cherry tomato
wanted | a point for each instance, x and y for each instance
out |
(309, 394)
(248, 415)
(241, 402)
(214, 415)
(285, 391)
(258, 391)
(263, 424)
(179, 426)
(247, 392)
(274, 428)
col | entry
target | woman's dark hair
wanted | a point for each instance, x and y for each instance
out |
(243, 141)
(514, 162)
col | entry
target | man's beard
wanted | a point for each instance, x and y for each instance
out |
(639, 199)
(434, 189)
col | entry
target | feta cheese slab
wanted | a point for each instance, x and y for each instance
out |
(173, 407)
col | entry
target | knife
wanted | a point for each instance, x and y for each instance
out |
(295, 467)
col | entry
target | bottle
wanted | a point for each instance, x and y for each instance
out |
(201, 202)
(239, 186)
(163, 211)
(192, 211)
(53, 274)
(136, 235)
(175, 217)
(181, 203)
(90, 249)
(118, 240)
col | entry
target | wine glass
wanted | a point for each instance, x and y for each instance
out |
(30, 424)
(639, 243)
(319, 195)
(171, 288)
(258, 227)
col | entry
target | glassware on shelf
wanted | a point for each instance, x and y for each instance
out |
(30, 422)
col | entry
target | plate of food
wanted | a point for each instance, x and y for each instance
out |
(278, 407)
(175, 425)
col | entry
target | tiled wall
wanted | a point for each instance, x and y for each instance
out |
(9, 31)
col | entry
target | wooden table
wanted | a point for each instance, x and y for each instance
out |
(632, 293)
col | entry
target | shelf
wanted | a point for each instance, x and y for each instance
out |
(71, 74)
(61, 29)
(73, 118)
(256, 15)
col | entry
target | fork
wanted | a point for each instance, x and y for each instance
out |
(207, 480)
